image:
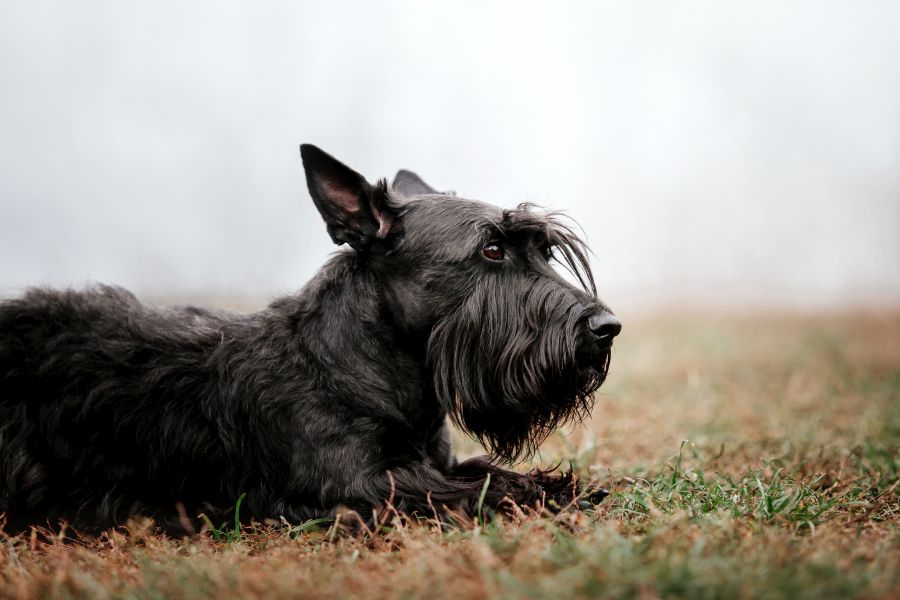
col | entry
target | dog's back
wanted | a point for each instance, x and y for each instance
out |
(94, 388)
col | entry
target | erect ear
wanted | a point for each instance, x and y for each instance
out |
(355, 212)
(409, 184)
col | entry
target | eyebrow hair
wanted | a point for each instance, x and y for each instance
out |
(573, 252)
(490, 224)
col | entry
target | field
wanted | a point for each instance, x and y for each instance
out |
(751, 456)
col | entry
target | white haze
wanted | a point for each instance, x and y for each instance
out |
(714, 152)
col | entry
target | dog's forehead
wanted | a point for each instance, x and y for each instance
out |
(452, 226)
(441, 211)
(448, 227)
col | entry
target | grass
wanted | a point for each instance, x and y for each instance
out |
(222, 533)
(748, 457)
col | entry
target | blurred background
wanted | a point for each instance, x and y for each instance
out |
(715, 153)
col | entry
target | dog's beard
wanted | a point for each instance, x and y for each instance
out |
(512, 365)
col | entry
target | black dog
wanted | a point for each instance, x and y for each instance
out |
(335, 397)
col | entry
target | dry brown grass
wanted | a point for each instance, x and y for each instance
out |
(787, 487)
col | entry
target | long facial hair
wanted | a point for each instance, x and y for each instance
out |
(513, 362)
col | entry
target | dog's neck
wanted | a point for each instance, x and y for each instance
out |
(344, 317)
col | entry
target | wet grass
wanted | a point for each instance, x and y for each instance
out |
(748, 457)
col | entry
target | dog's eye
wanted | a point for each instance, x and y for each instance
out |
(493, 251)
(547, 251)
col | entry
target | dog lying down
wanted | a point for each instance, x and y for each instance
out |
(338, 397)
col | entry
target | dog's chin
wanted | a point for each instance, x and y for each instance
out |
(512, 429)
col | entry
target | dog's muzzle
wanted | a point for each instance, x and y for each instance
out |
(596, 339)
(604, 326)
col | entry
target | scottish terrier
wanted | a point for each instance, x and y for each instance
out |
(439, 310)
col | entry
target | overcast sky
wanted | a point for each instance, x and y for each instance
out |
(716, 152)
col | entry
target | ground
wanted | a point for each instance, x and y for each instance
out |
(747, 456)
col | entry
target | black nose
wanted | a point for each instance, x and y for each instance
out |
(605, 326)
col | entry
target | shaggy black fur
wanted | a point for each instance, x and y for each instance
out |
(336, 397)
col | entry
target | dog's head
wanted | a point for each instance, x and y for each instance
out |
(514, 348)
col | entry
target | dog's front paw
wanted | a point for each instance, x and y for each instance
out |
(563, 490)
(587, 496)
(591, 496)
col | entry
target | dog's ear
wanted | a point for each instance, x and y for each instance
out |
(409, 184)
(355, 212)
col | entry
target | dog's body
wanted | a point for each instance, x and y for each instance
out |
(335, 397)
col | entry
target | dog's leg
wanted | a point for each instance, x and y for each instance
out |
(554, 489)
(422, 489)
(550, 488)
